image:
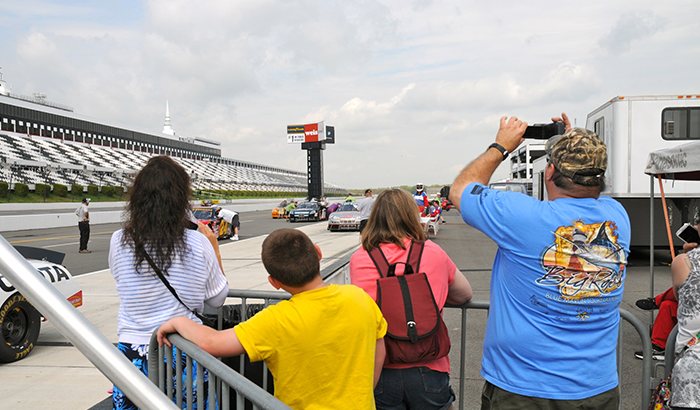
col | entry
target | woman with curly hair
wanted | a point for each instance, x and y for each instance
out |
(156, 233)
(393, 227)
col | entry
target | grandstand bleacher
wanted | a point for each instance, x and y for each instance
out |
(31, 159)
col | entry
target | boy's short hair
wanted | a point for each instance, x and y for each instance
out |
(290, 257)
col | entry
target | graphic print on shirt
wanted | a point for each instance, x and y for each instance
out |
(585, 261)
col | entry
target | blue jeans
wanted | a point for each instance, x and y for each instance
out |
(138, 355)
(414, 388)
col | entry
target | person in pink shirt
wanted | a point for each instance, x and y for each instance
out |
(392, 225)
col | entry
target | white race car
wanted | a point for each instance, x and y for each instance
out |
(345, 218)
(20, 322)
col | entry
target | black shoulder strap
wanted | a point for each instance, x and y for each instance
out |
(380, 261)
(167, 284)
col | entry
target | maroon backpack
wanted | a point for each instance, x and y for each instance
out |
(416, 331)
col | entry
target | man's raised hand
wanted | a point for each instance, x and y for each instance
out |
(510, 133)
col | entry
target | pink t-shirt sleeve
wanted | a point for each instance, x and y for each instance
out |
(440, 270)
(363, 273)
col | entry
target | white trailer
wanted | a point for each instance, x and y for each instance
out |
(538, 189)
(632, 127)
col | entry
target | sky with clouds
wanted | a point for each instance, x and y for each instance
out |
(414, 88)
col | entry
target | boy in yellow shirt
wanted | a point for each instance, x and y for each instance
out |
(324, 346)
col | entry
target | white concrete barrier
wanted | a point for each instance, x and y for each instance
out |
(62, 206)
(43, 221)
(61, 218)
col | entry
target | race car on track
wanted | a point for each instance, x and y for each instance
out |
(308, 211)
(278, 213)
(20, 322)
(345, 218)
(207, 216)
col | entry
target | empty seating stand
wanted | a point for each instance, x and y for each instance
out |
(34, 159)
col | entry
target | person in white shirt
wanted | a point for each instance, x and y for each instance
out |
(364, 205)
(83, 215)
(232, 218)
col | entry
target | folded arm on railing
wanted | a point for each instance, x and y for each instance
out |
(257, 395)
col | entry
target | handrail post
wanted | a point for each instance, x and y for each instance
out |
(670, 353)
(462, 358)
(646, 351)
(651, 243)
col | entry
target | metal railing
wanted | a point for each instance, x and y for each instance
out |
(643, 332)
(79, 331)
(338, 273)
(670, 352)
(168, 376)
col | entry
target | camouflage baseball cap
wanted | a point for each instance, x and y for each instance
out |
(578, 154)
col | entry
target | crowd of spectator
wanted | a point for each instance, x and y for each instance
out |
(556, 287)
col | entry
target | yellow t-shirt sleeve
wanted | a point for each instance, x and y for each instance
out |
(257, 335)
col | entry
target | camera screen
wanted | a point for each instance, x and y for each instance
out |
(689, 234)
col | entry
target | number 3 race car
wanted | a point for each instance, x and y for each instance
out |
(308, 211)
(20, 322)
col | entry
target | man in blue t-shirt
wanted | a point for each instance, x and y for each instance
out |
(557, 278)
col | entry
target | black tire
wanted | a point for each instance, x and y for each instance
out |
(20, 323)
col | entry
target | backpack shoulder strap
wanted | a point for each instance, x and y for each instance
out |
(380, 261)
(415, 253)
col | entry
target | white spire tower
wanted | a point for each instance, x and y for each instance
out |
(167, 126)
(3, 85)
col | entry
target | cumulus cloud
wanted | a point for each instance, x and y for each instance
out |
(36, 46)
(631, 28)
(364, 109)
(566, 82)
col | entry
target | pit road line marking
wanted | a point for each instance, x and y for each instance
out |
(61, 244)
(49, 238)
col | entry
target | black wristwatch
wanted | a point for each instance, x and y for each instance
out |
(500, 148)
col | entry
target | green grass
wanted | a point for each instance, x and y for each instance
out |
(198, 195)
(35, 198)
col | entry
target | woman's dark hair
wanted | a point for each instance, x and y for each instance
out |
(394, 218)
(157, 211)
